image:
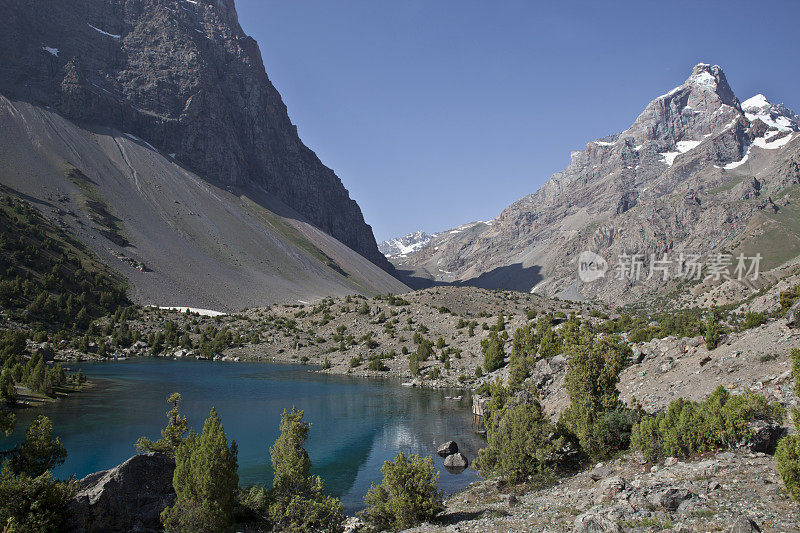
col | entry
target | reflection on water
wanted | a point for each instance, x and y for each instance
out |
(357, 423)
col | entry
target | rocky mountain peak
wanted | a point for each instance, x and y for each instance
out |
(706, 77)
(776, 116)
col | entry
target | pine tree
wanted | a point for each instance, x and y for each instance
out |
(299, 504)
(40, 451)
(713, 333)
(171, 436)
(8, 393)
(591, 381)
(493, 352)
(205, 482)
(787, 455)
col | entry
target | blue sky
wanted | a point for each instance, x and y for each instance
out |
(435, 113)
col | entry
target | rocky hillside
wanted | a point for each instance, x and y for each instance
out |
(697, 172)
(161, 114)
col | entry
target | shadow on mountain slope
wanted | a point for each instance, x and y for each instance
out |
(511, 277)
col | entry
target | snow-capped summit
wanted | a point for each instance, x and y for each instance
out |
(704, 75)
(777, 116)
(403, 246)
(757, 102)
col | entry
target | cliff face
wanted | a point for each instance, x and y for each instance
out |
(183, 76)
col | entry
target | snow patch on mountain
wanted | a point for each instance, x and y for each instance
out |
(682, 147)
(403, 246)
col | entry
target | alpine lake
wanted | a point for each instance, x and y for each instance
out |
(356, 423)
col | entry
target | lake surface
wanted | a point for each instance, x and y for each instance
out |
(357, 423)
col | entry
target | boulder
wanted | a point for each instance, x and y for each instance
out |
(600, 471)
(558, 363)
(793, 315)
(128, 497)
(744, 525)
(670, 499)
(456, 460)
(608, 488)
(595, 523)
(448, 448)
(763, 437)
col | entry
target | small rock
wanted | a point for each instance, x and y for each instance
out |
(744, 525)
(600, 472)
(670, 499)
(610, 487)
(594, 523)
(448, 448)
(670, 461)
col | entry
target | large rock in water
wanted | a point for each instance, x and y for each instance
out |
(456, 460)
(448, 448)
(129, 497)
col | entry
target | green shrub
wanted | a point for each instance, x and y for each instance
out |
(595, 414)
(787, 455)
(788, 297)
(687, 427)
(787, 458)
(376, 363)
(493, 352)
(521, 442)
(407, 496)
(753, 320)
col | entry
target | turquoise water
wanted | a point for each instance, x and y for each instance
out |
(357, 423)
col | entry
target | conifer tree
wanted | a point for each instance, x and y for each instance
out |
(298, 502)
(205, 481)
(493, 352)
(171, 436)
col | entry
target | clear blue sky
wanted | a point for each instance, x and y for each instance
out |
(435, 113)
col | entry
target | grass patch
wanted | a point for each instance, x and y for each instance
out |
(110, 226)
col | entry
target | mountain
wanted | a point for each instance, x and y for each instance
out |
(777, 116)
(402, 246)
(696, 172)
(151, 129)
